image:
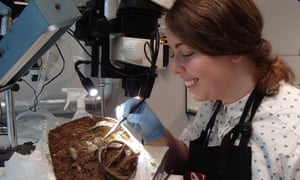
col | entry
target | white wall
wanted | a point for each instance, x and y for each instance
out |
(282, 29)
(168, 101)
(282, 25)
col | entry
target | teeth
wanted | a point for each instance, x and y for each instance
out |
(190, 82)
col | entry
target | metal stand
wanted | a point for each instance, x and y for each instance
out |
(11, 117)
(102, 89)
(25, 148)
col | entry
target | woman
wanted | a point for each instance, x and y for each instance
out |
(248, 123)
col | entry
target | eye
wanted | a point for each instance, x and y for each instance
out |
(187, 54)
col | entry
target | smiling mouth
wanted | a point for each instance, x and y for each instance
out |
(190, 82)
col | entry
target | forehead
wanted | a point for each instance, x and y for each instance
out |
(174, 41)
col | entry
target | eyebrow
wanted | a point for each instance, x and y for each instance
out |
(179, 44)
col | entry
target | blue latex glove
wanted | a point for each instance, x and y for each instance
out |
(143, 120)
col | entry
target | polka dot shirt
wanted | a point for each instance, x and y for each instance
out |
(275, 139)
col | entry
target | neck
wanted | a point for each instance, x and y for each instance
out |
(237, 92)
(241, 84)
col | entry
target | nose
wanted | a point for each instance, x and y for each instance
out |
(176, 67)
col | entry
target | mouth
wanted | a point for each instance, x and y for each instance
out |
(190, 83)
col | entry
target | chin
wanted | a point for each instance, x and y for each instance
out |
(199, 98)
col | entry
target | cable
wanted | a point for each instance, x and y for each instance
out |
(79, 43)
(34, 92)
(77, 63)
(153, 47)
(52, 79)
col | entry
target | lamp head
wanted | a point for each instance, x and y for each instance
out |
(89, 86)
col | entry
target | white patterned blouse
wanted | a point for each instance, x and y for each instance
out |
(275, 139)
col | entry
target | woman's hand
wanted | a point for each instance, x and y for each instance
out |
(143, 120)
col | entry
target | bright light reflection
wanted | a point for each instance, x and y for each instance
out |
(93, 92)
(137, 97)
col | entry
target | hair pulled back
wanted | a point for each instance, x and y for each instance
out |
(229, 27)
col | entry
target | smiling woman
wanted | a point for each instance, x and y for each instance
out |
(246, 126)
(211, 40)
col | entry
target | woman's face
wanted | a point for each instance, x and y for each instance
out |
(206, 77)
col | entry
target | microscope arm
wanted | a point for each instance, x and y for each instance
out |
(37, 28)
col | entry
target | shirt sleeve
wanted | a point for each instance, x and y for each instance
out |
(275, 139)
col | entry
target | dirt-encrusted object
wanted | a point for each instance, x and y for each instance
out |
(79, 152)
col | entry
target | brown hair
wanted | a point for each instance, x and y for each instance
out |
(229, 27)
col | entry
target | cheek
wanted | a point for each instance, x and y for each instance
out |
(201, 69)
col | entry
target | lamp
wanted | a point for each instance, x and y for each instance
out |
(85, 81)
(89, 86)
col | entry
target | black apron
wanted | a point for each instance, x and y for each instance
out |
(227, 161)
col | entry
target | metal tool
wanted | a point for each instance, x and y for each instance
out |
(124, 118)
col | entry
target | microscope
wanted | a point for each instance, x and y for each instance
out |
(40, 23)
(136, 26)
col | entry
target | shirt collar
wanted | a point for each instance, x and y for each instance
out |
(233, 111)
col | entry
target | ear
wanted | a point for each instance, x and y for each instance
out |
(236, 58)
